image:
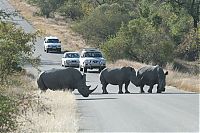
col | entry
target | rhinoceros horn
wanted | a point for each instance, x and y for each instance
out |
(90, 91)
(85, 92)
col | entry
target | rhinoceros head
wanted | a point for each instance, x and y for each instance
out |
(162, 83)
(133, 77)
(83, 89)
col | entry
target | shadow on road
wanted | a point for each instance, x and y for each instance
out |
(88, 99)
(137, 93)
(62, 52)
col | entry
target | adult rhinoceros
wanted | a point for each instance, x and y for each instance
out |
(117, 76)
(61, 79)
(151, 75)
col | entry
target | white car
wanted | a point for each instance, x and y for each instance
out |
(91, 58)
(52, 44)
(70, 59)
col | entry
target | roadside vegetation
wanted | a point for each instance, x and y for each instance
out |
(22, 108)
(16, 50)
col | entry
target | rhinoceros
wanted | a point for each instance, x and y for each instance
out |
(117, 76)
(151, 75)
(62, 79)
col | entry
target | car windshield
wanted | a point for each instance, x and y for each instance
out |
(52, 41)
(93, 54)
(72, 55)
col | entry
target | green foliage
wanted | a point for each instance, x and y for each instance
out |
(117, 47)
(105, 21)
(16, 50)
(47, 7)
(71, 9)
(140, 41)
(189, 49)
(192, 7)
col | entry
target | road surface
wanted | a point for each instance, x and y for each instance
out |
(172, 111)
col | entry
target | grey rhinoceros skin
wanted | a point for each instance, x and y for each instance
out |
(64, 79)
(151, 75)
(117, 76)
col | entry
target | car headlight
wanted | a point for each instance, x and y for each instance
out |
(103, 62)
(67, 61)
(87, 61)
(49, 46)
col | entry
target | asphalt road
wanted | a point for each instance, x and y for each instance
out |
(172, 111)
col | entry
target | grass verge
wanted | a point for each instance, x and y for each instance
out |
(24, 109)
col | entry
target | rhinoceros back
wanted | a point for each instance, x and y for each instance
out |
(61, 78)
(114, 76)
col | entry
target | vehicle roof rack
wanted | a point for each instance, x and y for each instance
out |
(90, 49)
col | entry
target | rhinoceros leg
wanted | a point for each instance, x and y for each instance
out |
(141, 89)
(126, 87)
(104, 88)
(150, 88)
(120, 89)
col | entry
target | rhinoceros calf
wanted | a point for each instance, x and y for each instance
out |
(117, 76)
(62, 79)
(151, 75)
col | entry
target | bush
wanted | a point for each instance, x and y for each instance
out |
(71, 10)
(140, 41)
(16, 50)
(104, 22)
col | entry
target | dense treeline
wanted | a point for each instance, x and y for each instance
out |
(154, 31)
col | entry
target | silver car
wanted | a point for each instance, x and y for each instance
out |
(70, 59)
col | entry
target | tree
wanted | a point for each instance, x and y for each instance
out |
(16, 49)
(192, 7)
(105, 21)
(47, 6)
(71, 9)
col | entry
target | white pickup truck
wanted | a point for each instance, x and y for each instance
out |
(91, 58)
(52, 44)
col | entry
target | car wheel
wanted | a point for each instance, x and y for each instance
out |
(85, 70)
(47, 50)
(80, 68)
(59, 50)
(100, 69)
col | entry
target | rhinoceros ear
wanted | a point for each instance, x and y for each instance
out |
(166, 73)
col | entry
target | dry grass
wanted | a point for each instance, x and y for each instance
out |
(179, 80)
(70, 40)
(53, 111)
(57, 114)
